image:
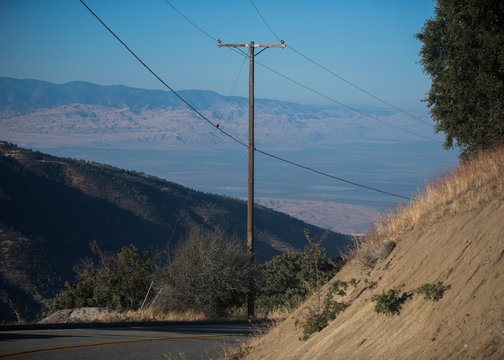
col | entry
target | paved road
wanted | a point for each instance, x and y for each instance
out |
(168, 342)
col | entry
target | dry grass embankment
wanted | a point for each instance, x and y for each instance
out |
(451, 233)
(466, 188)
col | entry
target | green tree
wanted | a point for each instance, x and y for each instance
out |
(118, 282)
(463, 52)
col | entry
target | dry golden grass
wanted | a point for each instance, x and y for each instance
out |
(150, 315)
(467, 187)
(145, 315)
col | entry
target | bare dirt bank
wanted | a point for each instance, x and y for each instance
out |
(464, 249)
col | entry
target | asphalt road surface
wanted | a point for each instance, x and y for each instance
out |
(167, 342)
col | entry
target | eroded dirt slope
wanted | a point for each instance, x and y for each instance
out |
(465, 251)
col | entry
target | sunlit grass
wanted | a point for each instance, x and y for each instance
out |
(144, 315)
(465, 188)
(151, 315)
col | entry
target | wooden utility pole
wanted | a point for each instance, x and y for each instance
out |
(251, 148)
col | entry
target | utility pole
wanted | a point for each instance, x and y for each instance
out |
(251, 149)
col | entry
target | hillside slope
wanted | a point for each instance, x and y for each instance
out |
(453, 232)
(52, 208)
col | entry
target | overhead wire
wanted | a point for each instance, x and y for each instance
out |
(327, 97)
(306, 87)
(288, 46)
(233, 173)
(216, 126)
(334, 74)
(342, 104)
(328, 175)
(162, 81)
(265, 22)
(189, 20)
(198, 172)
(238, 76)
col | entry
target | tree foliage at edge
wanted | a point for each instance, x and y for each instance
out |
(463, 52)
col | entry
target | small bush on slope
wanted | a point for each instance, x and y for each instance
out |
(318, 319)
(389, 302)
(432, 292)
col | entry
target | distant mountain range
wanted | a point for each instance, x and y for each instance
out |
(38, 113)
(52, 208)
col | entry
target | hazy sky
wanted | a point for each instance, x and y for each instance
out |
(370, 43)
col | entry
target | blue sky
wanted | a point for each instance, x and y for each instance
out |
(370, 43)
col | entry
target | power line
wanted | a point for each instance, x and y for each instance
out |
(336, 75)
(238, 76)
(216, 126)
(265, 22)
(328, 175)
(338, 102)
(300, 84)
(161, 80)
(189, 20)
(344, 105)
(358, 87)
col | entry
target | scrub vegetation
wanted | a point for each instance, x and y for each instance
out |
(205, 276)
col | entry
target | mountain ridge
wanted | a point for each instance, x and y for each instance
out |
(41, 113)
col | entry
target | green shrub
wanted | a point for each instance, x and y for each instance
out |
(119, 282)
(339, 287)
(287, 280)
(389, 302)
(318, 320)
(281, 284)
(354, 282)
(432, 292)
(371, 284)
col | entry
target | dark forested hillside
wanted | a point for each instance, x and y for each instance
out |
(51, 209)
